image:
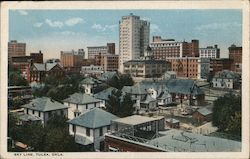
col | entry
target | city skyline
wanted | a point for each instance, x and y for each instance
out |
(53, 31)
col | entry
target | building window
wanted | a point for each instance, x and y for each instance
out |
(108, 127)
(39, 114)
(27, 111)
(87, 131)
(61, 112)
(100, 131)
(33, 112)
(86, 106)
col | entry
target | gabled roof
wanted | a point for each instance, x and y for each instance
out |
(80, 98)
(90, 80)
(164, 95)
(135, 89)
(93, 118)
(44, 104)
(204, 111)
(107, 75)
(148, 99)
(227, 74)
(39, 66)
(105, 93)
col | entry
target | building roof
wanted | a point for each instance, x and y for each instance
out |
(93, 118)
(90, 80)
(176, 140)
(135, 120)
(39, 66)
(135, 89)
(164, 95)
(172, 120)
(148, 100)
(46, 66)
(107, 75)
(80, 98)
(28, 117)
(104, 95)
(227, 74)
(145, 61)
(44, 104)
(204, 111)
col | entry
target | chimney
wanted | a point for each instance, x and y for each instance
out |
(215, 46)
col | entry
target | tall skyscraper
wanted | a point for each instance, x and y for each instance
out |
(16, 49)
(133, 38)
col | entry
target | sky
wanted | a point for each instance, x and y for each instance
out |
(52, 31)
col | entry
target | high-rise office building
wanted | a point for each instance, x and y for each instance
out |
(96, 50)
(16, 49)
(133, 38)
(210, 52)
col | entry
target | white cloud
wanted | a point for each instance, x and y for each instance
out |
(216, 26)
(66, 33)
(23, 12)
(155, 28)
(146, 18)
(54, 24)
(74, 21)
(103, 28)
(37, 25)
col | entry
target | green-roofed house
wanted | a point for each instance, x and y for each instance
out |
(104, 95)
(78, 103)
(89, 84)
(44, 108)
(89, 128)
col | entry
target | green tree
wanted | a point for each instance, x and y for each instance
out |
(120, 105)
(15, 77)
(127, 107)
(120, 81)
(12, 127)
(227, 114)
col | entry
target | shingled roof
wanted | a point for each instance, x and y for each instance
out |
(93, 118)
(80, 98)
(44, 104)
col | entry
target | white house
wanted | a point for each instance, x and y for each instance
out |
(89, 128)
(89, 84)
(44, 108)
(226, 79)
(78, 103)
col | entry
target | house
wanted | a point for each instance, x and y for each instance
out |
(226, 79)
(202, 114)
(78, 103)
(104, 95)
(108, 75)
(148, 103)
(44, 108)
(38, 72)
(89, 128)
(173, 123)
(89, 84)
(169, 75)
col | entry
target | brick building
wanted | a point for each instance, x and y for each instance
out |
(38, 72)
(96, 50)
(188, 67)
(72, 60)
(164, 48)
(16, 49)
(37, 57)
(109, 62)
(235, 54)
(220, 64)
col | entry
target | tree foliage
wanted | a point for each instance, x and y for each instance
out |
(54, 137)
(15, 77)
(121, 80)
(227, 114)
(120, 105)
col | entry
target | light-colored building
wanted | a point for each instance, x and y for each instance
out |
(96, 50)
(226, 79)
(78, 103)
(204, 67)
(164, 48)
(16, 49)
(210, 52)
(89, 84)
(133, 38)
(109, 62)
(44, 108)
(72, 60)
(89, 128)
(92, 70)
